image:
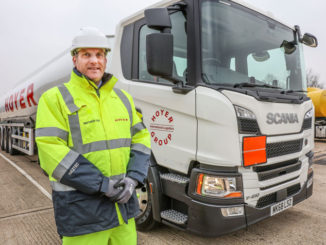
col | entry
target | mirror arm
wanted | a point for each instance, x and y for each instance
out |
(298, 37)
(166, 30)
(180, 88)
(178, 6)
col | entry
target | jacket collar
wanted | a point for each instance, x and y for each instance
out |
(80, 80)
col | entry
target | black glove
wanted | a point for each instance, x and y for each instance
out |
(129, 186)
(113, 190)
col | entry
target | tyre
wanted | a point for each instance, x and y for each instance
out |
(5, 139)
(8, 140)
(11, 150)
(145, 221)
(2, 139)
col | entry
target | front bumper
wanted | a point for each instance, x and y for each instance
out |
(207, 219)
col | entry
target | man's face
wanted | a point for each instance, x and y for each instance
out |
(91, 62)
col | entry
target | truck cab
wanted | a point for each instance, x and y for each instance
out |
(221, 88)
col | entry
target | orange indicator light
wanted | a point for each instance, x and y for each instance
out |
(199, 183)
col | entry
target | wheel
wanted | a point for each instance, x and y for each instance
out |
(144, 220)
(5, 139)
(9, 141)
(2, 139)
(11, 150)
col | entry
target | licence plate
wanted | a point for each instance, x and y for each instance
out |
(281, 206)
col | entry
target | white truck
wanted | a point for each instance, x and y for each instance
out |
(221, 87)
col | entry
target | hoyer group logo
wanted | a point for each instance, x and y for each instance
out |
(161, 127)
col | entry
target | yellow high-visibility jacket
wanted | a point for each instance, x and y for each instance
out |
(86, 135)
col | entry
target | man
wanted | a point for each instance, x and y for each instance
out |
(94, 148)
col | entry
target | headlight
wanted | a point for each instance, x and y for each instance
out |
(222, 187)
(309, 114)
(244, 113)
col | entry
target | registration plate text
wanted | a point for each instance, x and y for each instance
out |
(281, 206)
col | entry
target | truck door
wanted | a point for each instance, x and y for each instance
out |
(169, 117)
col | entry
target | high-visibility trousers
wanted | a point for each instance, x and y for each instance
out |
(124, 234)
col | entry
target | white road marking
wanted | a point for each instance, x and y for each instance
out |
(47, 194)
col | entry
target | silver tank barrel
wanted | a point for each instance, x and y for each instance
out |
(22, 100)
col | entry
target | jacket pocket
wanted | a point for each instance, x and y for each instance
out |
(86, 209)
(79, 213)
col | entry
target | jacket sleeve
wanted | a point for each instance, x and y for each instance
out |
(140, 148)
(60, 162)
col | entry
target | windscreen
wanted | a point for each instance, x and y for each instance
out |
(242, 46)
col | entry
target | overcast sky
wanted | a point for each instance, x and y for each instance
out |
(34, 31)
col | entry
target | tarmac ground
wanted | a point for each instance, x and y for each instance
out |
(26, 212)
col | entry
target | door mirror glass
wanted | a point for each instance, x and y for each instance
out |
(309, 40)
(158, 18)
(159, 54)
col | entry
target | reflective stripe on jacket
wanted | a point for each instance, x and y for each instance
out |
(86, 135)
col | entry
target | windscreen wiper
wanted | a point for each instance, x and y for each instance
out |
(252, 85)
(293, 91)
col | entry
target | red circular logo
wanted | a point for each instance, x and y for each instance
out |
(161, 127)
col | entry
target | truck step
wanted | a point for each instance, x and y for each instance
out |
(175, 178)
(174, 216)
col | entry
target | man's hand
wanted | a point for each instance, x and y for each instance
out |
(113, 189)
(129, 186)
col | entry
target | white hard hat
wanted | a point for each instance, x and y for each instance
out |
(89, 37)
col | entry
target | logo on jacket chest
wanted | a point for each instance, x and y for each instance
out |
(121, 120)
(92, 121)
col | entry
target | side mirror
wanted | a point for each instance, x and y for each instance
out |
(158, 18)
(289, 47)
(309, 40)
(159, 46)
(159, 54)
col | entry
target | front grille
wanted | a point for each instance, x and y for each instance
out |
(306, 123)
(283, 148)
(271, 198)
(293, 189)
(266, 200)
(248, 125)
(277, 169)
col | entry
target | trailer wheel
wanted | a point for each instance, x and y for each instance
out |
(145, 221)
(5, 139)
(11, 150)
(2, 139)
(9, 141)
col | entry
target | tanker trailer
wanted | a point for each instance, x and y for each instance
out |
(18, 107)
(318, 97)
